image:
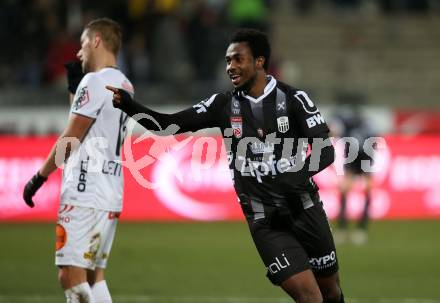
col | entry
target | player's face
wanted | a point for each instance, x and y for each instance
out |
(240, 65)
(85, 53)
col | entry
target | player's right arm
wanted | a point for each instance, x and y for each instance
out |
(202, 115)
(77, 128)
(90, 97)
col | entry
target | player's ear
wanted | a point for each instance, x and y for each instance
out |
(97, 40)
(260, 62)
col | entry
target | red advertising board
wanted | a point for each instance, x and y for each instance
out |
(188, 179)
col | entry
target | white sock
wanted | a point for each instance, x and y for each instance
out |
(81, 293)
(101, 293)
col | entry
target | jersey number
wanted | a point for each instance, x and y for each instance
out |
(121, 133)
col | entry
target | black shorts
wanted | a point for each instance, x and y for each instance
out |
(293, 239)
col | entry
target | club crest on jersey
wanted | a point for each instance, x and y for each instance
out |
(82, 99)
(283, 124)
(237, 126)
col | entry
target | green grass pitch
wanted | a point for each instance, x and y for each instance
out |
(217, 262)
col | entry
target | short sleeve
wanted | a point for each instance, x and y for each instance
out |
(308, 117)
(89, 97)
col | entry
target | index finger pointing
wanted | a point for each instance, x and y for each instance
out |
(113, 89)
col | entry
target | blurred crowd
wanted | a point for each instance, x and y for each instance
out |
(164, 40)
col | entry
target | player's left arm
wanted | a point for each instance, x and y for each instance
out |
(322, 154)
(314, 129)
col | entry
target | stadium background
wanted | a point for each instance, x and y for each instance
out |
(380, 55)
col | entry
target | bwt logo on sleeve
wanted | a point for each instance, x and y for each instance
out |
(314, 120)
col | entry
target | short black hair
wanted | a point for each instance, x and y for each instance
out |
(257, 42)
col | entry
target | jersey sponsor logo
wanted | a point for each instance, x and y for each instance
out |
(111, 168)
(306, 102)
(283, 124)
(66, 208)
(278, 265)
(314, 120)
(237, 126)
(95, 242)
(202, 106)
(258, 147)
(281, 106)
(324, 261)
(90, 255)
(82, 181)
(63, 219)
(82, 99)
(270, 167)
(61, 237)
(235, 107)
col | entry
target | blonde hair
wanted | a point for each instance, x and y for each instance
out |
(110, 32)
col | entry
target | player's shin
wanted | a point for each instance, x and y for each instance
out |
(101, 293)
(81, 293)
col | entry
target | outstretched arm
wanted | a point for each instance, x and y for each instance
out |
(186, 120)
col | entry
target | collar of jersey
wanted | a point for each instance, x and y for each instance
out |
(267, 90)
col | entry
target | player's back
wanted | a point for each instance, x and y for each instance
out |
(93, 176)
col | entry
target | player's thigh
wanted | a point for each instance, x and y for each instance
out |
(70, 276)
(84, 236)
(108, 222)
(75, 236)
(281, 253)
(313, 231)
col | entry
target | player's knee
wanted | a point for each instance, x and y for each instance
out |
(69, 276)
(309, 296)
(332, 295)
(305, 294)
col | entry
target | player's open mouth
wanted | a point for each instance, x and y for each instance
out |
(235, 79)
